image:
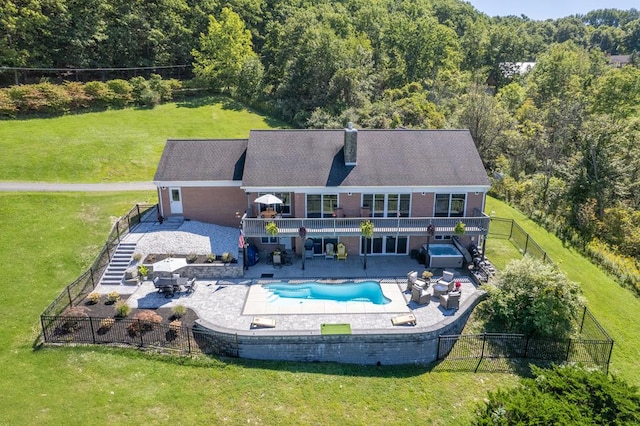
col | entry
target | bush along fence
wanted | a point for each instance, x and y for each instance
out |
(592, 347)
(83, 285)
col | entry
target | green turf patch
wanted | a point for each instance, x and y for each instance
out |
(335, 328)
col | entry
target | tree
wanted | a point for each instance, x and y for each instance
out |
(563, 395)
(224, 51)
(532, 298)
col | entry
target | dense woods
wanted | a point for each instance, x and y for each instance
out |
(559, 140)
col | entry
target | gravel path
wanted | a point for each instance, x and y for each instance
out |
(192, 237)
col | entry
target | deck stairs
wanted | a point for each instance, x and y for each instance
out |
(114, 275)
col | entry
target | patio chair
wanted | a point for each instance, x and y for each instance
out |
(342, 252)
(447, 280)
(411, 279)
(420, 295)
(450, 300)
(329, 252)
(308, 249)
(408, 319)
(277, 260)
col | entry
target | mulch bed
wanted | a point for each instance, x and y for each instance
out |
(201, 258)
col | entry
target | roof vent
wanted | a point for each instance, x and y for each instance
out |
(350, 145)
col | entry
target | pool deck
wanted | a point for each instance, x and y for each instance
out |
(226, 304)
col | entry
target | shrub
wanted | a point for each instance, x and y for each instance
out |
(93, 298)
(144, 320)
(211, 258)
(55, 98)
(7, 106)
(178, 311)
(113, 297)
(122, 309)
(563, 395)
(27, 98)
(137, 257)
(192, 257)
(533, 298)
(175, 325)
(99, 91)
(71, 318)
(226, 257)
(106, 323)
(79, 97)
(122, 92)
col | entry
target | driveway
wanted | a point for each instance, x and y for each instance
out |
(75, 187)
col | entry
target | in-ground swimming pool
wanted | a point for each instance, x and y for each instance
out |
(366, 291)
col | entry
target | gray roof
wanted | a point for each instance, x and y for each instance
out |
(202, 160)
(391, 158)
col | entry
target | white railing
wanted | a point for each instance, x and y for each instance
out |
(327, 227)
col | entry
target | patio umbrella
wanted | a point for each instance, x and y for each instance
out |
(268, 199)
(169, 264)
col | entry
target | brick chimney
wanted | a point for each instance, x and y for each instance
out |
(350, 145)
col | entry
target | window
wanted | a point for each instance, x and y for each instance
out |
(269, 240)
(449, 205)
(284, 208)
(388, 205)
(321, 205)
(389, 244)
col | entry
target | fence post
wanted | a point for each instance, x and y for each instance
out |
(188, 339)
(566, 358)
(44, 329)
(93, 333)
(108, 252)
(484, 340)
(526, 347)
(511, 230)
(140, 331)
(118, 230)
(526, 244)
(584, 313)
(93, 283)
(438, 351)
(69, 295)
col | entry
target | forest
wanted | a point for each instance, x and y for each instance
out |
(559, 140)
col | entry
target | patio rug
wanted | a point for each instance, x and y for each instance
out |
(335, 329)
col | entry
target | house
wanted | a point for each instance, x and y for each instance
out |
(329, 182)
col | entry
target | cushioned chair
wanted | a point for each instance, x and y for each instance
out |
(420, 295)
(341, 254)
(450, 300)
(329, 252)
(411, 279)
(447, 280)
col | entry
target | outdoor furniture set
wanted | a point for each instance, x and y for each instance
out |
(446, 290)
(169, 286)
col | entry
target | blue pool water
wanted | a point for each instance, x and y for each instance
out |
(367, 291)
(443, 250)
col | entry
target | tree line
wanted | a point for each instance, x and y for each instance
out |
(559, 140)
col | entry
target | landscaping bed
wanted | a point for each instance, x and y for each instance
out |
(198, 258)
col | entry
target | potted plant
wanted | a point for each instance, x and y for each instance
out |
(426, 275)
(459, 229)
(143, 271)
(271, 229)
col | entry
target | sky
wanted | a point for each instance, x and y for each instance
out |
(548, 9)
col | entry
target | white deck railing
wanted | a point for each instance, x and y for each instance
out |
(327, 227)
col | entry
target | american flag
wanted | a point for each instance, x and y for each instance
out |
(241, 240)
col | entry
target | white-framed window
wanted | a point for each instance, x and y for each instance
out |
(388, 205)
(321, 205)
(269, 240)
(449, 205)
(284, 208)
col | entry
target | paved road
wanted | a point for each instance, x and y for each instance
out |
(75, 187)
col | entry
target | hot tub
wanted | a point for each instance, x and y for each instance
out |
(443, 256)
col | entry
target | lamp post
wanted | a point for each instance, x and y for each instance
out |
(302, 232)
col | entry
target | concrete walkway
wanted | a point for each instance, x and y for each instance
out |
(75, 187)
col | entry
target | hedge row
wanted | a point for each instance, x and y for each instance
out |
(48, 98)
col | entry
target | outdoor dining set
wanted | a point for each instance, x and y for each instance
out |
(174, 284)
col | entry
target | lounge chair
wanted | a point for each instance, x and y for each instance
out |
(190, 285)
(447, 279)
(259, 322)
(408, 319)
(420, 295)
(342, 252)
(450, 300)
(329, 252)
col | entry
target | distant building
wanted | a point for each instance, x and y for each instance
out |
(619, 60)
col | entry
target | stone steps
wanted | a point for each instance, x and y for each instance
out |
(120, 261)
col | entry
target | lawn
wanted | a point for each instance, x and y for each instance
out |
(97, 385)
(616, 308)
(115, 145)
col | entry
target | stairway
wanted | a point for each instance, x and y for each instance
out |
(114, 275)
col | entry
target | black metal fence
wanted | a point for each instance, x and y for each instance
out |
(86, 282)
(592, 346)
(509, 229)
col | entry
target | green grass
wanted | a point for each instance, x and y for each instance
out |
(115, 145)
(335, 329)
(99, 385)
(616, 308)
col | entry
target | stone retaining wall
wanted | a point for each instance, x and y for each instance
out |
(402, 345)
(212, 271)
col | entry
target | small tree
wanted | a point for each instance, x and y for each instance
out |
(459, 229)
(533, 298)
(366, 229)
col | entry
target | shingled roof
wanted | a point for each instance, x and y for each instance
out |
(385, 158)
(315, 159)
(202, 160)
